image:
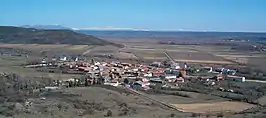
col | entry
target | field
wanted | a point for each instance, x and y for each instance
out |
(50, 49)
(13, 65)
(254, 60)
(202, 103)
(180, 53)
(196, 54)
(151, 51)
(208, 54)
(214, 107)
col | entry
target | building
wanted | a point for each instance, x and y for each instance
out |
(170, 76)
(158, 74)
(156, 64)
(146, 74)
(63, 58)
(155, 80)
(235, 78)
(206, 69)
(175, 66)
(180, 79)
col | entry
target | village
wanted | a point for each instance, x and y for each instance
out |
(133, 75)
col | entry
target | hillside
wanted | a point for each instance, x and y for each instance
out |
(20, 35)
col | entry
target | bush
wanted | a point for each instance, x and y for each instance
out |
(220, 115)
(172, 115)
(195, 115)
(109, 114)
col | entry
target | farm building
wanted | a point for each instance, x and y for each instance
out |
(235, 78)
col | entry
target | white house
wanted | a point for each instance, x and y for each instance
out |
(175, 66)
(170, 77)
(63, 58)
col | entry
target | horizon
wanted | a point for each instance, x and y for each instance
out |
(134, 30)
(150, 15)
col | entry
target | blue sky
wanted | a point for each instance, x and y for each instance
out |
(197, 15)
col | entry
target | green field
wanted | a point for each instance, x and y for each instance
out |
(13, 64)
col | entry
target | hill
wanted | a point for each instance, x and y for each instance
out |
(9, 34)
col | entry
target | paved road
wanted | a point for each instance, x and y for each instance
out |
(154, 100)
(87, 51)
(170, 58)
(259, 81)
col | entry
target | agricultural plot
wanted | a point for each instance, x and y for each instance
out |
(103, 50)
(150, 55)
(163, 46)
(50, 49)
(258, 63)
(181, 53)
(13, 65)
(215, 107)
(256, 60)
(197, 57)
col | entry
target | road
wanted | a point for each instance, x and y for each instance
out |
(170, 58)
(258, 81)
(157, 101)
(87, 51)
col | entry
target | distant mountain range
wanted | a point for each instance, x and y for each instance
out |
(10, 34)
(110, 28)
(57, 27)
(134, 33)
(54, 27)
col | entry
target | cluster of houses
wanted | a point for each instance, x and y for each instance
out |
(223, 74)
(141, 75)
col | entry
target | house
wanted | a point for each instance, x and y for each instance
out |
(86, 69)
(173, 80)
(63, 58)
(147, 74)
(126, 64)
(156, 64)
(168, 72)
(175, 66)
(206, 69)
(170, 76)
(145, 69)
(235, 78)
(219, 70)
(230, 72)
(158, 74)
(76, 59)
(113, 83)
(180, 79)
(156, 79)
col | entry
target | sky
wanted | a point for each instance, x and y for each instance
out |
(191, 15)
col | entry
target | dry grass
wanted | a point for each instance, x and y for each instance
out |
(77, 47)
(33, 46)
(13, 65)
(10, 45)
(237, 59)
(190, 61)
(226, 106)
(156, 58)
(239, 56)
(204, 61)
